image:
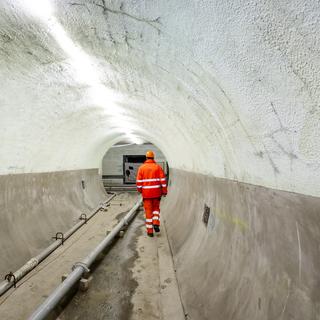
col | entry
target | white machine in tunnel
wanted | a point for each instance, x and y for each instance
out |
(131, 164)
(121, 162)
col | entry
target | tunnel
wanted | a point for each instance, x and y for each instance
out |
(227, 90)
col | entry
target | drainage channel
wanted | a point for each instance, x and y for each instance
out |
(134, 280)
(134, 277)
(80, 270)
(113, 284)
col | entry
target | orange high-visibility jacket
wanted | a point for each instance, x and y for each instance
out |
(151, 180)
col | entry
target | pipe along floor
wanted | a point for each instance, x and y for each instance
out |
(133, 279)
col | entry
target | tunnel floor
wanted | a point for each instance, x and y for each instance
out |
(133, 279)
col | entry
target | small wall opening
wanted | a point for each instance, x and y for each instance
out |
(121, 162)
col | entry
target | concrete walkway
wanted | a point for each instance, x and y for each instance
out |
(134, 280)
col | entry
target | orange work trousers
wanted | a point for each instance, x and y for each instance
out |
(152, 212)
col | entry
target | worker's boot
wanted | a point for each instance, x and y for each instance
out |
(156, 228)
(150, 235)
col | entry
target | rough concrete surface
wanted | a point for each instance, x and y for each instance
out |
(229, 92)
(34, 207)
(157, 295)
(134, 279)
(256, 258)
(234, 81)
(36, 286)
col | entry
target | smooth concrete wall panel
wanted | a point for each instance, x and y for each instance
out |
(258, 256)
(33, 207)
(228, 88)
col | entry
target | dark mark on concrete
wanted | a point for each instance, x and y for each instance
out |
(113, 285)
(259, 154)
(274, 167)
(5, 38)
(80, 5)
(168, 280)
(151, 22)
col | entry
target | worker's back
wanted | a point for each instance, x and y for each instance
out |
(151, 169)
(151, 180)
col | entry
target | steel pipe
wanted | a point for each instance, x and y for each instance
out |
(81, 267)
(33, 262)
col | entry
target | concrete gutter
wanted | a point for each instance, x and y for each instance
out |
(80, 268)
(120, 188)
(13, 278)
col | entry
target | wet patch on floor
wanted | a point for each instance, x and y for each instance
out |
(110, 292)
(146, 298)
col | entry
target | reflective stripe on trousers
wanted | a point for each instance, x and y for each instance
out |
(152, 213)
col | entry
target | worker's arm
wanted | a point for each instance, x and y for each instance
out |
(163, 182)
(138, 180)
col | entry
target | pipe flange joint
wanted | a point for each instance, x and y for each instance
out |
(59, 236)
(82, 265)
(84, 217)
(10, 276)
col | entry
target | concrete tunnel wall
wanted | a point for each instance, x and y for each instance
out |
(228, 90)
(35, 206)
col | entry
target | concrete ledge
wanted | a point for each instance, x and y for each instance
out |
(171, 307)
(255, 255)
(33, 207)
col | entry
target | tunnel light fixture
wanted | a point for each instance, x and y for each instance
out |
(101, 95)
(129, 134)
(138, 140)
(135, 139)
(42, 9)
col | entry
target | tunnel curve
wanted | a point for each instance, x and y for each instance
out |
(228, 90)
(163, 84)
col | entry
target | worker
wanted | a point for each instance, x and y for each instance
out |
(152, 184)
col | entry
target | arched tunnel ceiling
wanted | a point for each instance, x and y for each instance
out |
(226, 88)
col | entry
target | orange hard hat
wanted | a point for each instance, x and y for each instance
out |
(150, 154)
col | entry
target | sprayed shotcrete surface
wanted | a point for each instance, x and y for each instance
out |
(226, 88)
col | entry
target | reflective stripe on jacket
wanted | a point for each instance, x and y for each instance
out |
(151, 180)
